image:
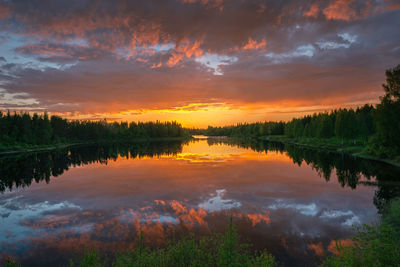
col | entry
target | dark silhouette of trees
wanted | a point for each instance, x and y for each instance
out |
(245, 129)
(386, 142)
(22, 129)
(344, 124)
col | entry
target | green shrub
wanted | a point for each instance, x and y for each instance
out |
(213, 250)
(373, 245)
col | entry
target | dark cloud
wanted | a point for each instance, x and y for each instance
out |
(109, 25)
(61, 52)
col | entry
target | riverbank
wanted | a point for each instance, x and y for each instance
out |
(39, 148)
(356, 148)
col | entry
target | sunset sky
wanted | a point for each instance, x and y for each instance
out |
(200, 62)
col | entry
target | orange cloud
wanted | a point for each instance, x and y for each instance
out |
(313, 11)
(159, 202)
(154, 66)
(174, 59)
(191, 49)
(254, 45)
(194, 217)
(178, 207)
(340, 10)
(333, 246)
(257, 218)
(185, 48)
(317, 248)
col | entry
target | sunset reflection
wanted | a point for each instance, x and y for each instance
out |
(272, 195)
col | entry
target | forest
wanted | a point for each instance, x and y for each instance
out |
(22, 129)
(375, 127)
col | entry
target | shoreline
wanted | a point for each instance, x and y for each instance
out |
(356, 150)
(12, 151)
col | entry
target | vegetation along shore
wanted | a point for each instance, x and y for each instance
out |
(368, 131)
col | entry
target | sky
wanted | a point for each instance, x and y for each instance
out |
(199, 62)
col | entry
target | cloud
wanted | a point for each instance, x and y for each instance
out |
(215, 62)
(301, 51)
(156, 66)
(4, 12)
(346, 41)
(308, 210)
(217, 203)
(340, 10)
(60, 52)
(313, 11)
(254, 45)
(185, 49)
(207, 3)
(317, 248)
(335, 244)
(102, 57)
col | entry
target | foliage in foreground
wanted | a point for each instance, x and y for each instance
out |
(214, 250)
(373, 245)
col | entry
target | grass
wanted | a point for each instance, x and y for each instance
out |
(374, 245)
(214, 250)
(10, 262)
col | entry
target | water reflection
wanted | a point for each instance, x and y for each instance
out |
(106, 194)
(350, 171)
(22, 169)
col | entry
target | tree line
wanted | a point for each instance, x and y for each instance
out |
(377, 127)
(342, 123)
(19, 129)
(245, 129)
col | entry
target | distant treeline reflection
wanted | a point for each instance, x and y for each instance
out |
(21, 170)
(350, 171)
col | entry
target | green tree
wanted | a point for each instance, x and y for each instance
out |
(386, 143)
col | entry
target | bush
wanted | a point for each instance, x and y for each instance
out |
(214, 250)
(373, 245)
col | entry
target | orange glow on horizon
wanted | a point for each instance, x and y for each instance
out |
(201, 115)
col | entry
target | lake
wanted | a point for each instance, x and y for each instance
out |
(292, 201)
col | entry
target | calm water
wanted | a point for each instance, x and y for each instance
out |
(292, 201)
